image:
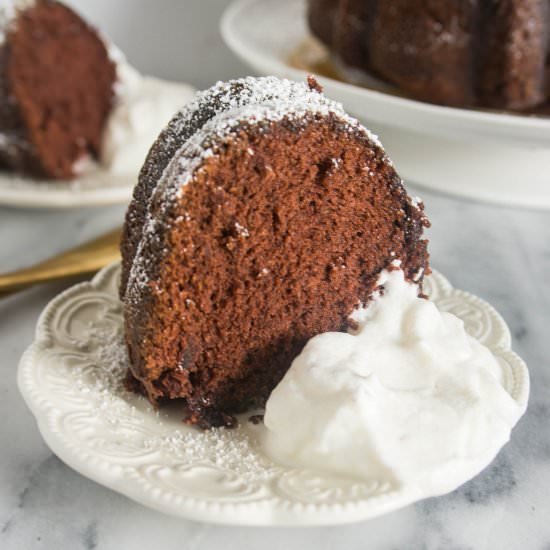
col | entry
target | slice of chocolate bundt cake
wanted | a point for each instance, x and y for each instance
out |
(56, 88)
(263, 215)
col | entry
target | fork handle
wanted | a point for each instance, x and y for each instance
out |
(83, 259)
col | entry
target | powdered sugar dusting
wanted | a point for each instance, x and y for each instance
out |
(101, 383)
(230, 449)
(251, 100)
(416, 201)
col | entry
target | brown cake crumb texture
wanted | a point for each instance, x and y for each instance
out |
(56, 91)
(278, 235)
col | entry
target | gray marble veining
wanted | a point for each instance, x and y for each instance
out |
(500, 254)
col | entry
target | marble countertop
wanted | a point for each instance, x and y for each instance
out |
(500, 254)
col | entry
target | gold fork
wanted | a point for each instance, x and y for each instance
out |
(86, 258)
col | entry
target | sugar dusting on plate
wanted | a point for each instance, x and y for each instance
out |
(102, 384)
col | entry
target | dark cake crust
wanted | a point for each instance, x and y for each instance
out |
(243, 264)
(56, 91)
(484, 53)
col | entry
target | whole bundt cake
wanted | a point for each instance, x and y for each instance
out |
(465, 53)
(263, 215)
(56, 88)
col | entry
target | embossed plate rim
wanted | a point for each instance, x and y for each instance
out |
(272, 506)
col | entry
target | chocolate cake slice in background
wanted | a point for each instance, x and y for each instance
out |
(263, 216)
(56, 89)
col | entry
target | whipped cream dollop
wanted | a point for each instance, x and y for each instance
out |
(144, 107)
(408, 397)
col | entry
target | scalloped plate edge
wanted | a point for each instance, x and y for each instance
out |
(267, 512)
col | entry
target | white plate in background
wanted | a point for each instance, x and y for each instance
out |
(99, 187)
(497, 157)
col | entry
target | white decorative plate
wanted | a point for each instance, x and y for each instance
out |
(497, 157)
(98, 187)
(71, 378)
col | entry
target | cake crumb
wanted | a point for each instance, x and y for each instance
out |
(256, 419)
(313, 84)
